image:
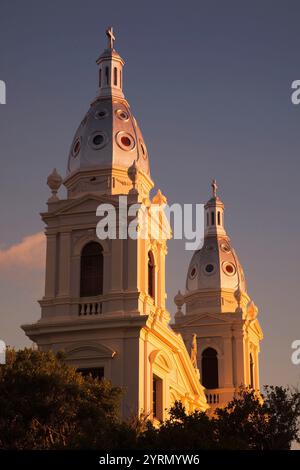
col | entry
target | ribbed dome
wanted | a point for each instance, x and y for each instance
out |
(214, 267)
(108, 136)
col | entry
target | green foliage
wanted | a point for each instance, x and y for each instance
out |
(45, 404)
(269, 421)
(249, 421)
(181, 431)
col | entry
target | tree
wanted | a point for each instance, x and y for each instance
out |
(45, 404)
(249, 421)
(180, 431)
(262, 422)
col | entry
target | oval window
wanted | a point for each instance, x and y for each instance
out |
(76, 147)
(225, 247)
(144, 152)
(123, 115)
(193, 272)
(102, 113)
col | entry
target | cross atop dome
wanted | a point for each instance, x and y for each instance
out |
(111, 37)
(214, 188)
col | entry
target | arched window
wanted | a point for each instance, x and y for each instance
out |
(151, 275)
(207, 219)
(100, 72)
(251, 371)
(212, 218)
(120, 78)
(115, 76)
(219, 218)
(91, 270)
(107, 75)
(210, 374)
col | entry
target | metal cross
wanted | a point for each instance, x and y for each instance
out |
(111, 37)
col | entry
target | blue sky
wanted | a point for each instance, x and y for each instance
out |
(209, 83)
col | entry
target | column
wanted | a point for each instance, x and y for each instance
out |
(51, 255)
(228, 375)
(64, 264)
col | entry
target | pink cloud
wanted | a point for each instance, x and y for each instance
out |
(29, 253)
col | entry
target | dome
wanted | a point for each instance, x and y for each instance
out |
(214, 267)
(108, 136)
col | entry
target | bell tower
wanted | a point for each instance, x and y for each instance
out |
(220, 312)
(104, 301)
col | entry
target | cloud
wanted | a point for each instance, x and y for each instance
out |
(29, 253)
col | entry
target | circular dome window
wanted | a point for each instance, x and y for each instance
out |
(225, 247)
(209, 268)
(144, 151)
(76, 147)
(102, 113)
(193, 272)
(229, 269)
(98, 140)
(123, 115)
(125, 141)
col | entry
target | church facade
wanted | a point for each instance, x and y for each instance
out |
(104, 301)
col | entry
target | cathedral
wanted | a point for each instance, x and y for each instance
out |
(105, 299)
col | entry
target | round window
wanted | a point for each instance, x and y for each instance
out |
(123, 115)
(229, 269)
(98, 140)
(209, 268)
(125, 141)
(76, 147)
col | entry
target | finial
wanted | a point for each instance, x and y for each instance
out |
(179, 301)
(214, 188)
(159, 198)
(54, 182)
(111, 37)
(133, 174)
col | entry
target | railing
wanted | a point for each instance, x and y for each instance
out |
(213, 398)
(90, 307)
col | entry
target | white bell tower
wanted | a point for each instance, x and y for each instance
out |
(104, 301)
(220, 312)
